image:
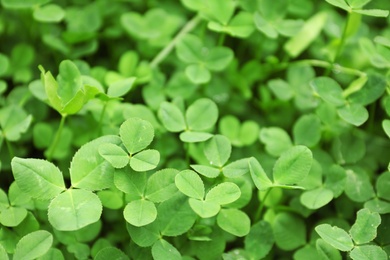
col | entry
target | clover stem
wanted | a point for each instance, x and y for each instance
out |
(341, 45)
(56, 138)
(187, 152)
(101, 118)
(189, 26)
(10, 150)
(262, 204)
(221, 39)
(326, 65)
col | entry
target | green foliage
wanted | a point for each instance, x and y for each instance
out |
(209, 129)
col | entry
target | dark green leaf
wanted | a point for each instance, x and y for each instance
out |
(260, 240)
(289, 231)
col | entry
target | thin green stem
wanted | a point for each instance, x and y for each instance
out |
(325, 64)
(10, 150)
(341, 45)
(221, 39)
(101, 119)
(190, 25)
(56, 138)
(343, 38)
(262, 204)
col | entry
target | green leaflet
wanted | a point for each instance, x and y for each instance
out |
(293, 165)
(190, 184)
(234, 221)
(364, 229)
(140, 212)
(74, 209)
(164, 250)
(33, 245)
(335, 236)
(136, 134)
(88, 169)
(39, 178)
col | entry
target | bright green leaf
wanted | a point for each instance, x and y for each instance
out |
(217, 150)
(309, 32)
(74, 209)
(234, 221)
(224, 193)
(190, 184)
(203, 208)
(198, 73)
(145, 160)
(373, 12)
(364, 228)
(50, 13)
(329, 90)
(339, 3)
(293, 165)
(259, 177)
(14, 121)
(317, 198)
(121, 87)
(236, 168)
(368, 252)
(307, 130)
(144, 236)
(207, 171)
(89, 170)
(12, 216)
(162, 250)
(354, 114)
(39, 178)
(161, 185)
(358, 186)
(202, 114)
(326, 251)
(175, 216)
(218, 58)
(276, 140)
(33, 245)
(382, 186)
(335, 236)
(140, 212)
(114, 154)
(136, 134)
(171, 117)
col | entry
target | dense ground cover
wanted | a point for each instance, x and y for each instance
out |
(194, 129)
